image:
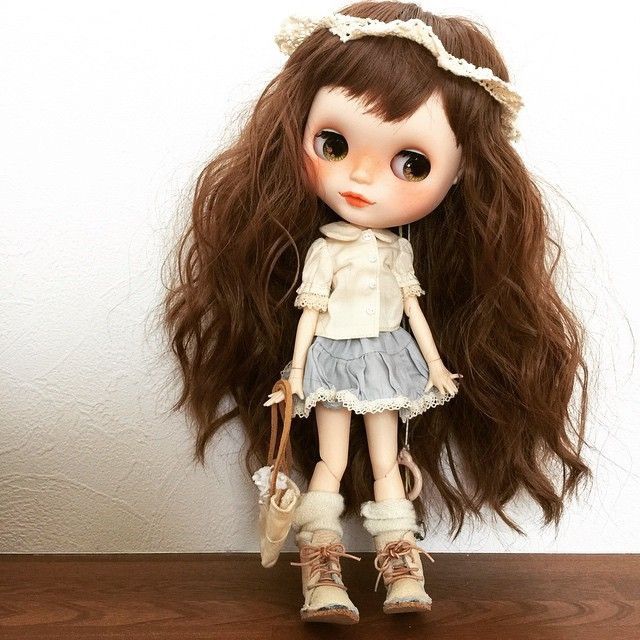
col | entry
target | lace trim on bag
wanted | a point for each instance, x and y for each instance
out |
(313, 300)
(407, 408)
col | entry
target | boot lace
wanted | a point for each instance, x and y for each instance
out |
(325, 560)
(387, 564)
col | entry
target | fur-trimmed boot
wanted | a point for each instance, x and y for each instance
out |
(317, 517)
(392, 524)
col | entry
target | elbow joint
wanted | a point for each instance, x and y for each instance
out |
(411, 305)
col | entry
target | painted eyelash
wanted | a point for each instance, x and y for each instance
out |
(406, 152)
(323, 132)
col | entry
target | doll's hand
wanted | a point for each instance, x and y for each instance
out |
(278, 396)
(295, 381)
(296, 385)
(441, 378)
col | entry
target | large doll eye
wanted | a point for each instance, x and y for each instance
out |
(411, 165)
(330, 145)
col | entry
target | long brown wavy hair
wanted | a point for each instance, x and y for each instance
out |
(484, 255)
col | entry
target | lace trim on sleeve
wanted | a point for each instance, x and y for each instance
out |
(412, 290)
(312, 300)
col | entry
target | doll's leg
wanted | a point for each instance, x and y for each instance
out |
(391, 520)
(320, 531)
(333, 435)
(382, 439)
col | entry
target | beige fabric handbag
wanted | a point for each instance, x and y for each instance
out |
(279, 494)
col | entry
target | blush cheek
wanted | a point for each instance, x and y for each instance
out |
(415, 202)
(313, 171)
(325, 175)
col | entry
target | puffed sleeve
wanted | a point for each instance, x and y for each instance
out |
(403, 271)
(317, 274)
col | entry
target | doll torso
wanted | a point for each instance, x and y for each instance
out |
(363, 274)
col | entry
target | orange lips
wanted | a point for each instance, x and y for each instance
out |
(355, 199)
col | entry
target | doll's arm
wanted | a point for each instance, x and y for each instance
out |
(410, 286)
(403, 271)
(304, 338)
(439, 376)
(313, 298)
(420, 328)
(295, 368)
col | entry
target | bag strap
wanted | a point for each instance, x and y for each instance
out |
(284, 460)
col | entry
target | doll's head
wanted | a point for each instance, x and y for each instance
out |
(414, 128)
(403, 169)
(395, 138)
(429, 148)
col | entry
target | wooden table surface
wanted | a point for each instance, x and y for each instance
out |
(185, 596)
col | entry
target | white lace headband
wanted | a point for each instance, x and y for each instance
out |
(296, 28)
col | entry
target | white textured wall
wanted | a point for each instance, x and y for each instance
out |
(107, 113)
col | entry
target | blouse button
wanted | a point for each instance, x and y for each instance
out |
(373, 258)
(372, 283)
(371, 309)
(366, 235)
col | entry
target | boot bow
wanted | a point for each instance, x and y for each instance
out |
(325, 560)
(397, 549)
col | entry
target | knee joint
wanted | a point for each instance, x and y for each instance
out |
(337, 473)
(379, 476)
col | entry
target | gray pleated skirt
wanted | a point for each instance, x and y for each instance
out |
(367, 375)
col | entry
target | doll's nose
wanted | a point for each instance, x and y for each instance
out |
(363, 169)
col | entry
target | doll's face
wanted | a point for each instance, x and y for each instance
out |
(404, 169)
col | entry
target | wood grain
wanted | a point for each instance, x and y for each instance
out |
(231, 596)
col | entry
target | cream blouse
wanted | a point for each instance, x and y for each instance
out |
(358, 279)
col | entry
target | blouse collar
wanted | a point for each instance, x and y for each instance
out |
(343, 230)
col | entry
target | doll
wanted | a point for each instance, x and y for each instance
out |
(380, 159)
